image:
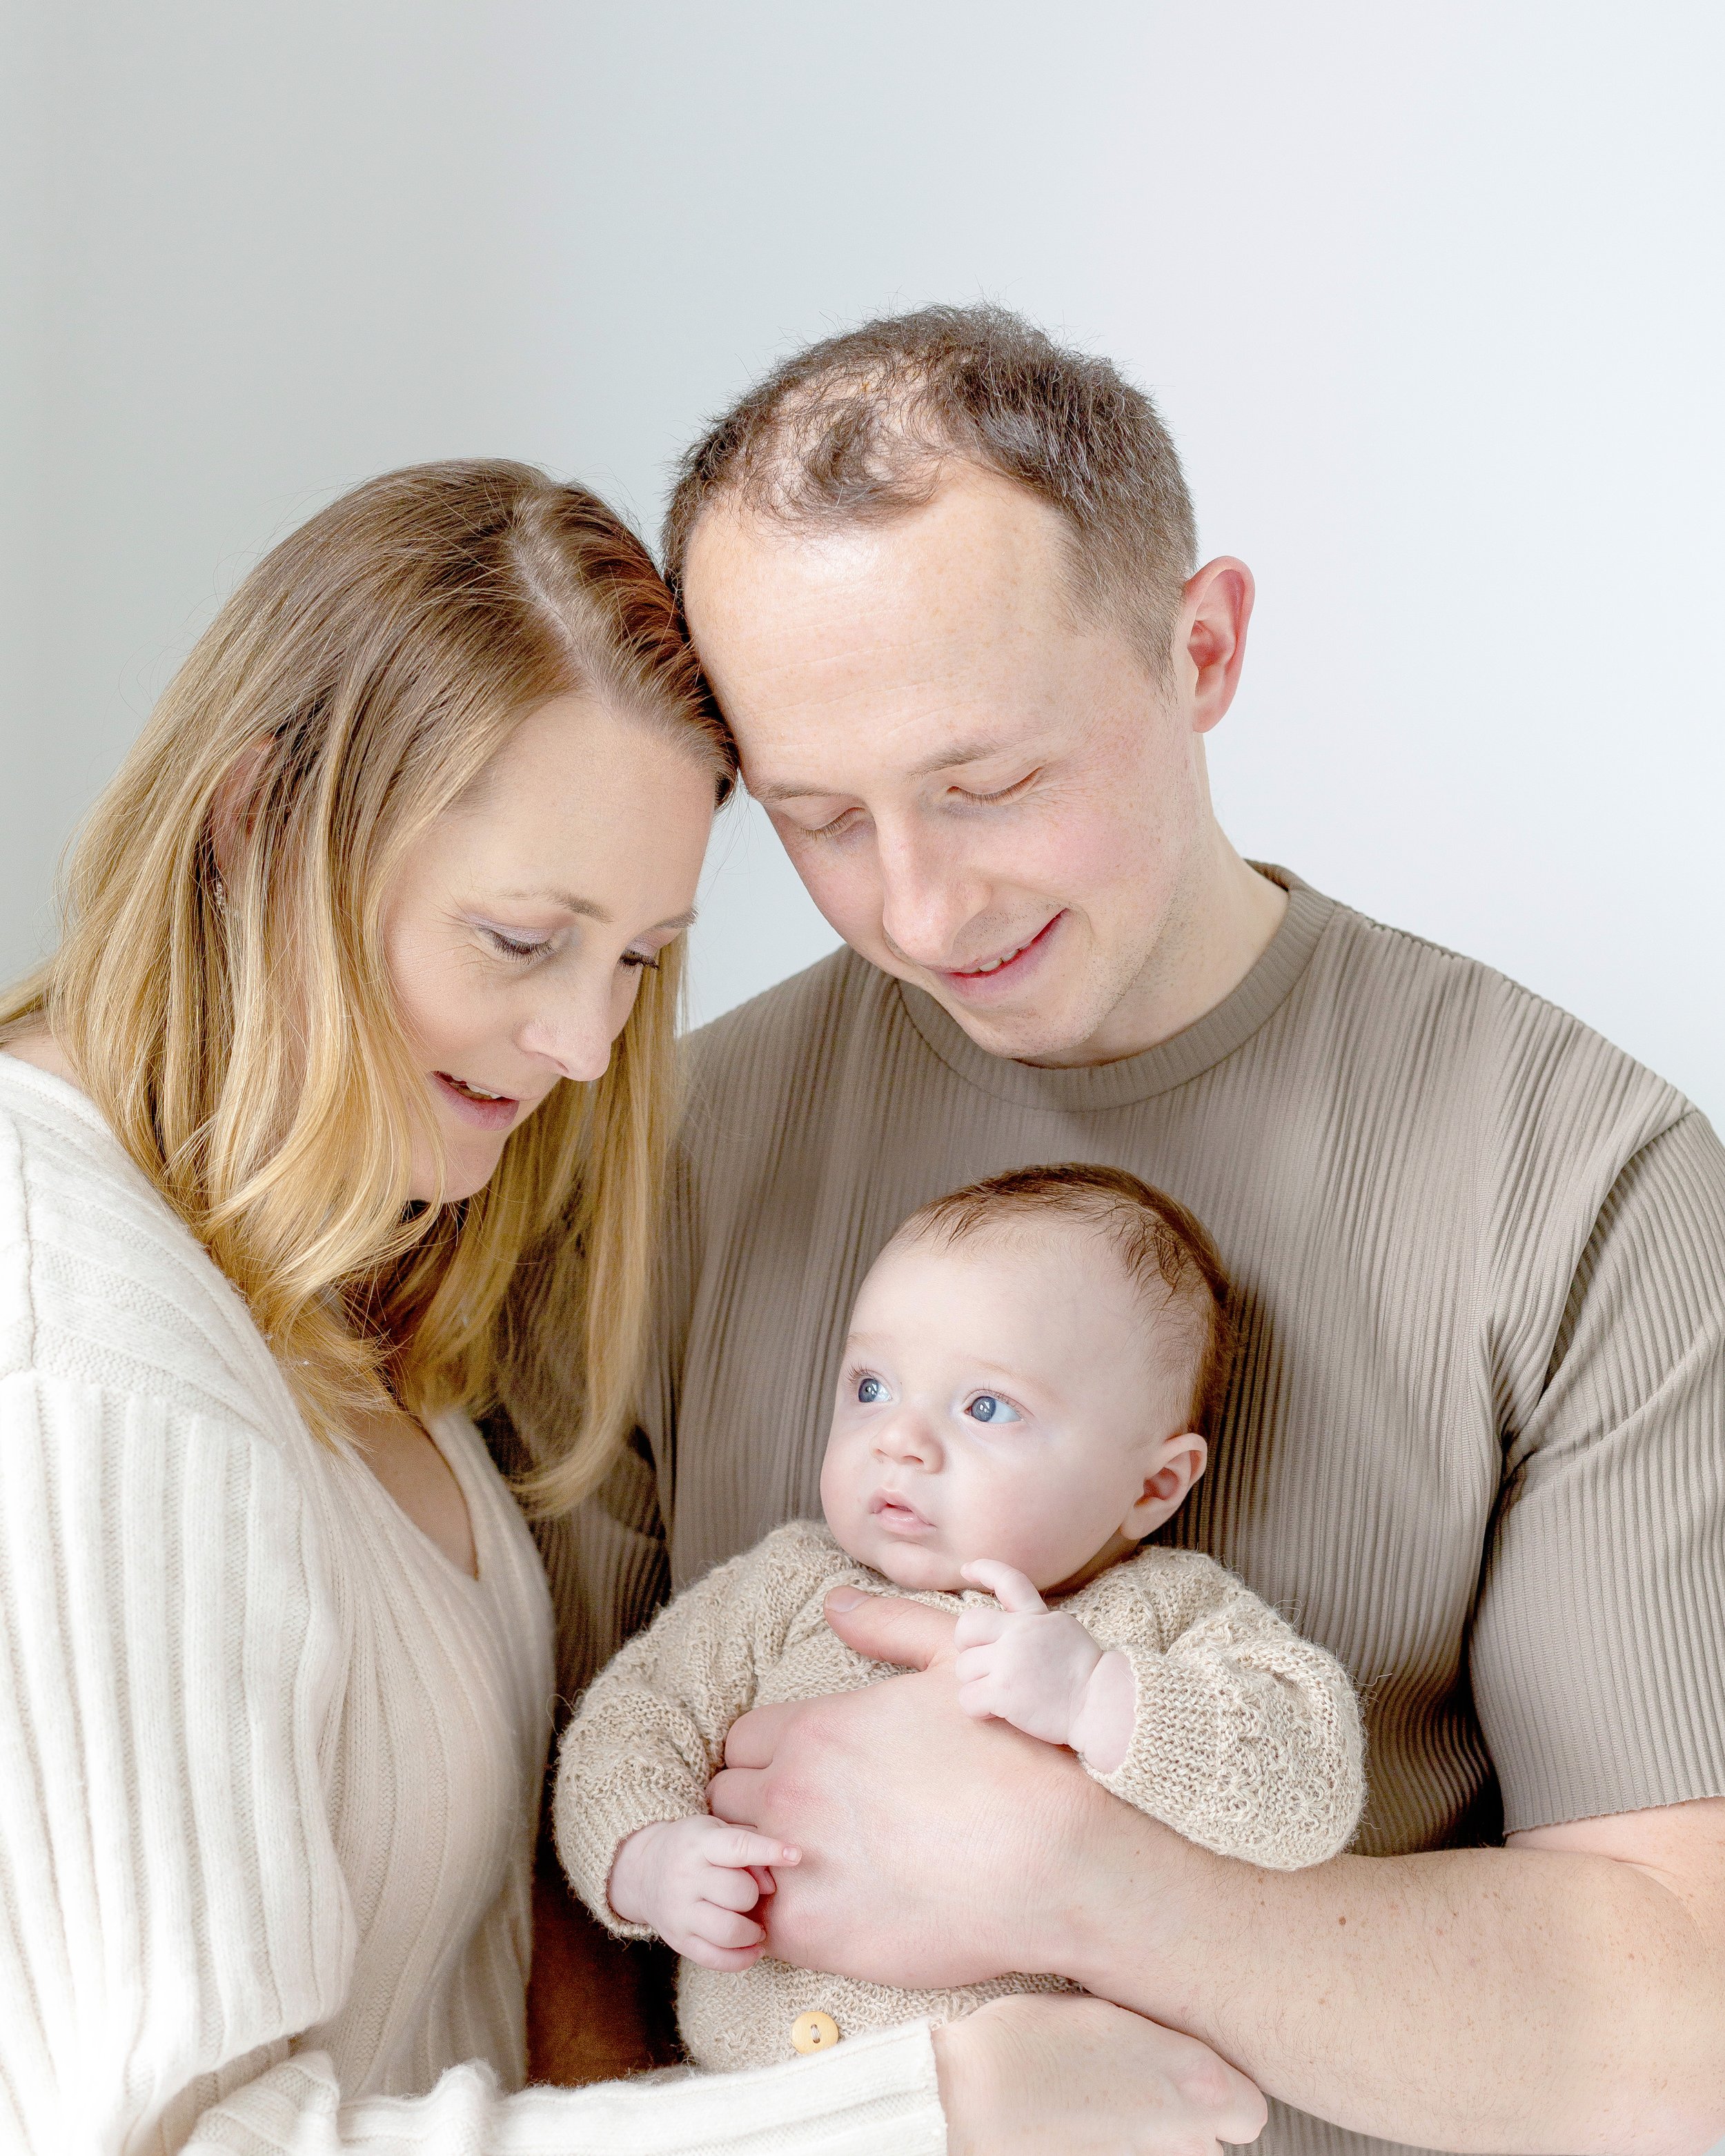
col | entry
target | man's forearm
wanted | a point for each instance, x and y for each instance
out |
(1501, 2001)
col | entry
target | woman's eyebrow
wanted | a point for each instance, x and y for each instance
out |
(589, 909)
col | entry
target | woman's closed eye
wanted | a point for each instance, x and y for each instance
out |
(516, 947)
(990, 1408)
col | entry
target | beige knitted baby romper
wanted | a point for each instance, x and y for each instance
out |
(1246, 1739)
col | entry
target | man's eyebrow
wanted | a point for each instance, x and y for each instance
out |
(589, 909)
(950, 758)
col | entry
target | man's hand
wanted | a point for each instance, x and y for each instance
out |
(694, 1882)
(1039, 1669)
(937, 1850)
(1022, 2076)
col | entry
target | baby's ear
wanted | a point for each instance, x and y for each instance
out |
(1176, 1464)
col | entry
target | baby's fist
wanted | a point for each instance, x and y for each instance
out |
(694, 1882)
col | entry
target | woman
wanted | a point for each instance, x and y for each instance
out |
(367, 988)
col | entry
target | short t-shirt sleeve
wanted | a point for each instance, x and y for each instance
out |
(1598, 1649)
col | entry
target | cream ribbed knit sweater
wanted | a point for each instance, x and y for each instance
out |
(1245, 1738)
(269, 1763)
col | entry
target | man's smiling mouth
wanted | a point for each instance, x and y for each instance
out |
(990, 968)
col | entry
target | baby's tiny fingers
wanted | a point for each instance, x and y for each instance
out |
(977, 1701)
(711, 1957)
(741, 1847)
(724, 1928)
(977, 1626)
(728, 1889)
(1009, 1587)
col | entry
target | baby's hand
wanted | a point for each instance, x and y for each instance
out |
(693, 1881)
(1034, 1667)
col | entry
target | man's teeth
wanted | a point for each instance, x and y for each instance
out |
(995, 965)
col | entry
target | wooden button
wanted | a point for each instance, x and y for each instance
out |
(814, 2032)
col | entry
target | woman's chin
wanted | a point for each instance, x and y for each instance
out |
(467, 1167)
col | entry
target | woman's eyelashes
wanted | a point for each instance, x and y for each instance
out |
(517, 948)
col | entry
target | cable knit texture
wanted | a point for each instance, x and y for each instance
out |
(1246, 1739)
(270, 1762)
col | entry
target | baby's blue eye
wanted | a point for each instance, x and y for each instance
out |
(869, 1391)
(989, 1407)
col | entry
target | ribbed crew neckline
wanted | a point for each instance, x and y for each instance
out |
(1185, 1055)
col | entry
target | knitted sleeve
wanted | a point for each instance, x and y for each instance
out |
(650, 1733)
(1246, 1738)
(173, 1915)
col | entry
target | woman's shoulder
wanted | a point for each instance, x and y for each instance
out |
(100, 1281)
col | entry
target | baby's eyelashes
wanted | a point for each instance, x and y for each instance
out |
(990, 1408)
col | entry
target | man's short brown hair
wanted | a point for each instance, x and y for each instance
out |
(859, 428)
(1165, 1251)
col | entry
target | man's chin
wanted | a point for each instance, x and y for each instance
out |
(1023, 1036)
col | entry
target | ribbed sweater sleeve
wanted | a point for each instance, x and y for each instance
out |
(172, 1908)
(1245, 1738)
(650, 1734)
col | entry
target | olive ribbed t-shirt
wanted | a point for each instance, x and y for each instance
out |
(1475, 1440)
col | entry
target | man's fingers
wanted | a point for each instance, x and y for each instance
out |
(886, 1629)
(1009, 1586)
(737, 1795)
(754, 1736)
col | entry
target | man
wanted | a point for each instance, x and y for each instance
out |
(943, 576)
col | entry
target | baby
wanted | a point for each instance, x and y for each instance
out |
(1032, 1365)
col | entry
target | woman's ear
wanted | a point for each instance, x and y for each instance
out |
(1178, 1462)
(234, 805)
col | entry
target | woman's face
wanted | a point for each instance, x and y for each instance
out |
(517, 931)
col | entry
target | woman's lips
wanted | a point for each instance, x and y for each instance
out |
(485, 1115)
(978, 987)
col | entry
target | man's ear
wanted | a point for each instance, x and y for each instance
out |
(1179, 1462)
(1210, 642)
(235, 804)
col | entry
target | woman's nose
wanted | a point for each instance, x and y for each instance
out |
(575, 1038)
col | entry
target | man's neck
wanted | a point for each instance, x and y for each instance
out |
(1223, 919)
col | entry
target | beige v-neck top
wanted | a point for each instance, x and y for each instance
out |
(1475, 1442)
(269, 1763)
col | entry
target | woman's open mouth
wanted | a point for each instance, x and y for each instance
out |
(487, 1111)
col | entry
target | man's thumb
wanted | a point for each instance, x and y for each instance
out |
(888, 1629)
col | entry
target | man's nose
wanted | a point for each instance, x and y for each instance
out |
(929, 893)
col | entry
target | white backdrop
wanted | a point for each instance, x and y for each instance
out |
(1430, 296)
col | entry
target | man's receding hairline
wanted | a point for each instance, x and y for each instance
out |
(790, 531)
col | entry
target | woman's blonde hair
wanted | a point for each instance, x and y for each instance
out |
(240, 1036)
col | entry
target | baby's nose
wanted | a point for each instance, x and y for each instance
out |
(907, 1437)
